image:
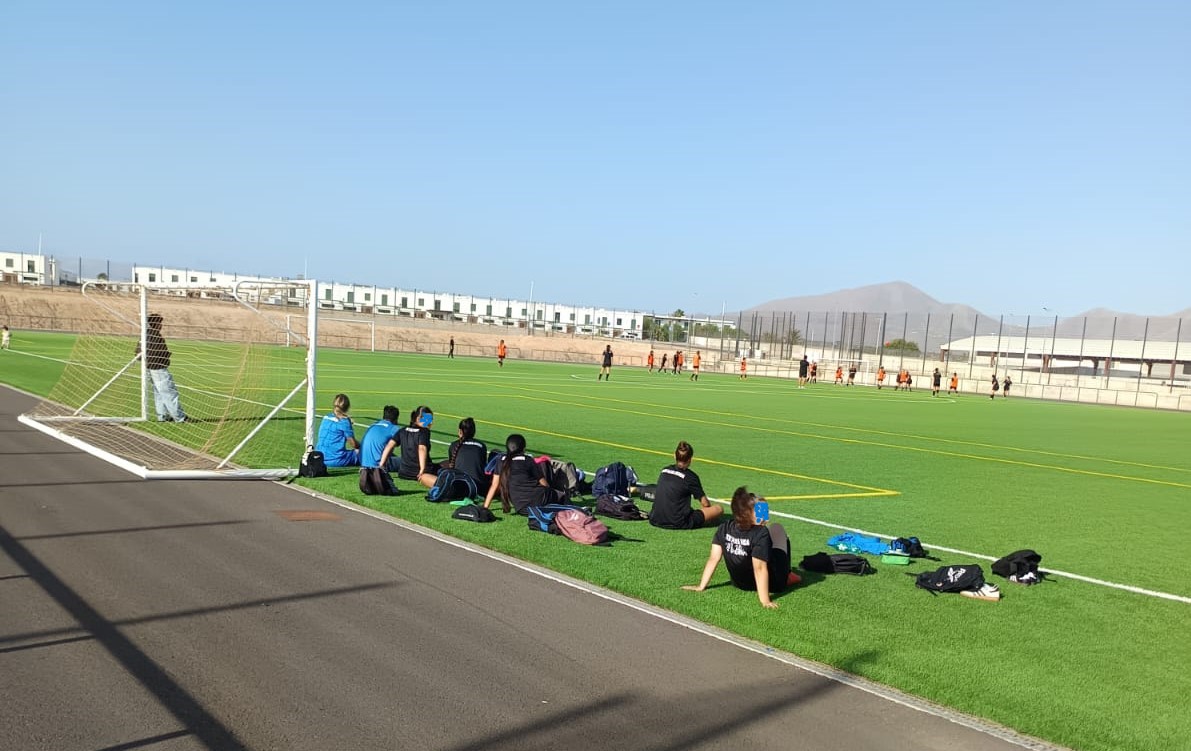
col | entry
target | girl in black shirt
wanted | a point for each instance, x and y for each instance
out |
(468, 455)
(521, 480)
(757, 557)
(415, 449)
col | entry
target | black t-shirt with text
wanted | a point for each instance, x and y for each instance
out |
(672, 500)
(410, 438)
(470, 457)
(523, 486)
(741, 546)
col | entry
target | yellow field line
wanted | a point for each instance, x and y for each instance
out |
(856, 441)
(935, 439)
(868, 492)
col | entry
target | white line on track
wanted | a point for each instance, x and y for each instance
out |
(825, 671)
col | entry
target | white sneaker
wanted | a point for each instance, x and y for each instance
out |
(987, 592)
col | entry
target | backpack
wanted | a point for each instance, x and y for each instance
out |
(852, 542)
(578, 525)
(614, 479)
(619, 507)
(376, 481)
(541, 518)
(313, 465)
(472, 513)
(840, 563)
(564, 477)
(951, 578)
(908, 546)
(452, 485)
(1017, 563)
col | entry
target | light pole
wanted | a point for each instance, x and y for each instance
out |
(529, 310)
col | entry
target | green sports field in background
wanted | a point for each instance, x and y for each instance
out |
(1101, 492)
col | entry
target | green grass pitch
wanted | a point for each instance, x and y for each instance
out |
(1100, 492)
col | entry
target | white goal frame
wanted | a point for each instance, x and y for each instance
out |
(243, 293)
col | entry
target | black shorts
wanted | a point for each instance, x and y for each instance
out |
(431, 469)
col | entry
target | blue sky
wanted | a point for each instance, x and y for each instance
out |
(1012, 156)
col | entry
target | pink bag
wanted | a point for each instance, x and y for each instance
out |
(581, 527)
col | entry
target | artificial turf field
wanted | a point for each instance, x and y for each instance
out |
(1100, 492)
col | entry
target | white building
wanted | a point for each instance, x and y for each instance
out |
(27, 268)
(371, 299)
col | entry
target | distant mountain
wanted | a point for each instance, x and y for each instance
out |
(903, 308)
(891, 297)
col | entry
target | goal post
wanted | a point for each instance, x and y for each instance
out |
(247, 401)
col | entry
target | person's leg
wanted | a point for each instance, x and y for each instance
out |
(781, 575)
(165, 396)
(708, 515)
(173, 404)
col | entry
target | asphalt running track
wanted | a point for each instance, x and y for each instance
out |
(193, 615)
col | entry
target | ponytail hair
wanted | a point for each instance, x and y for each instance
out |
(467, 431)
(514, 446)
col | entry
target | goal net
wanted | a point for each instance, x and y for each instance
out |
(245, 400)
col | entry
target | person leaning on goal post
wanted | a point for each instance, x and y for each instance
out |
(157, 362)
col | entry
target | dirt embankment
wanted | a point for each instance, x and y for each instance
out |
(27, 307)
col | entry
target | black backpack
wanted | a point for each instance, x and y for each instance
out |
(470, 512)
(951, 578)
(613, 479)
(1017, 563)
(910, 546)
(840, 563)
(376, 481)
(313, 465)
(619, 507)
(452, 485)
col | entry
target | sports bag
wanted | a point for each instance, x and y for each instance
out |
(840, 563)
(313, 465)
(470, 512)
(452, 485)
(541, 518)
(578, 525)
(852, 542)
(564, 477)
(951, 578)
(376, 481)
(619, 507)
(613, 479)
(1017, 563)
(910, 546)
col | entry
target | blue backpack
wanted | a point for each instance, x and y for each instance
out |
(613, 479)
(452, 485)
(541, 518)
(851, 542)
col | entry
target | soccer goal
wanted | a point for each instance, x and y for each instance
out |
(247, 399)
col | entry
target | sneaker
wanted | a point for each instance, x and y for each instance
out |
(793, 579)
(987, 592)
(1027, 578)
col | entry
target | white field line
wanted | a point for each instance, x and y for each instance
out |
(957, 551)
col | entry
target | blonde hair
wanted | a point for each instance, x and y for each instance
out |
(342, 404)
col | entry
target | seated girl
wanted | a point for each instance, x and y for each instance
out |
(414, 440)
(466, 454)
(337, 436)
(521, 481)
(757, 557)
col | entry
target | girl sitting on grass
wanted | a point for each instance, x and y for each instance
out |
(521, 481)
(757, 556)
